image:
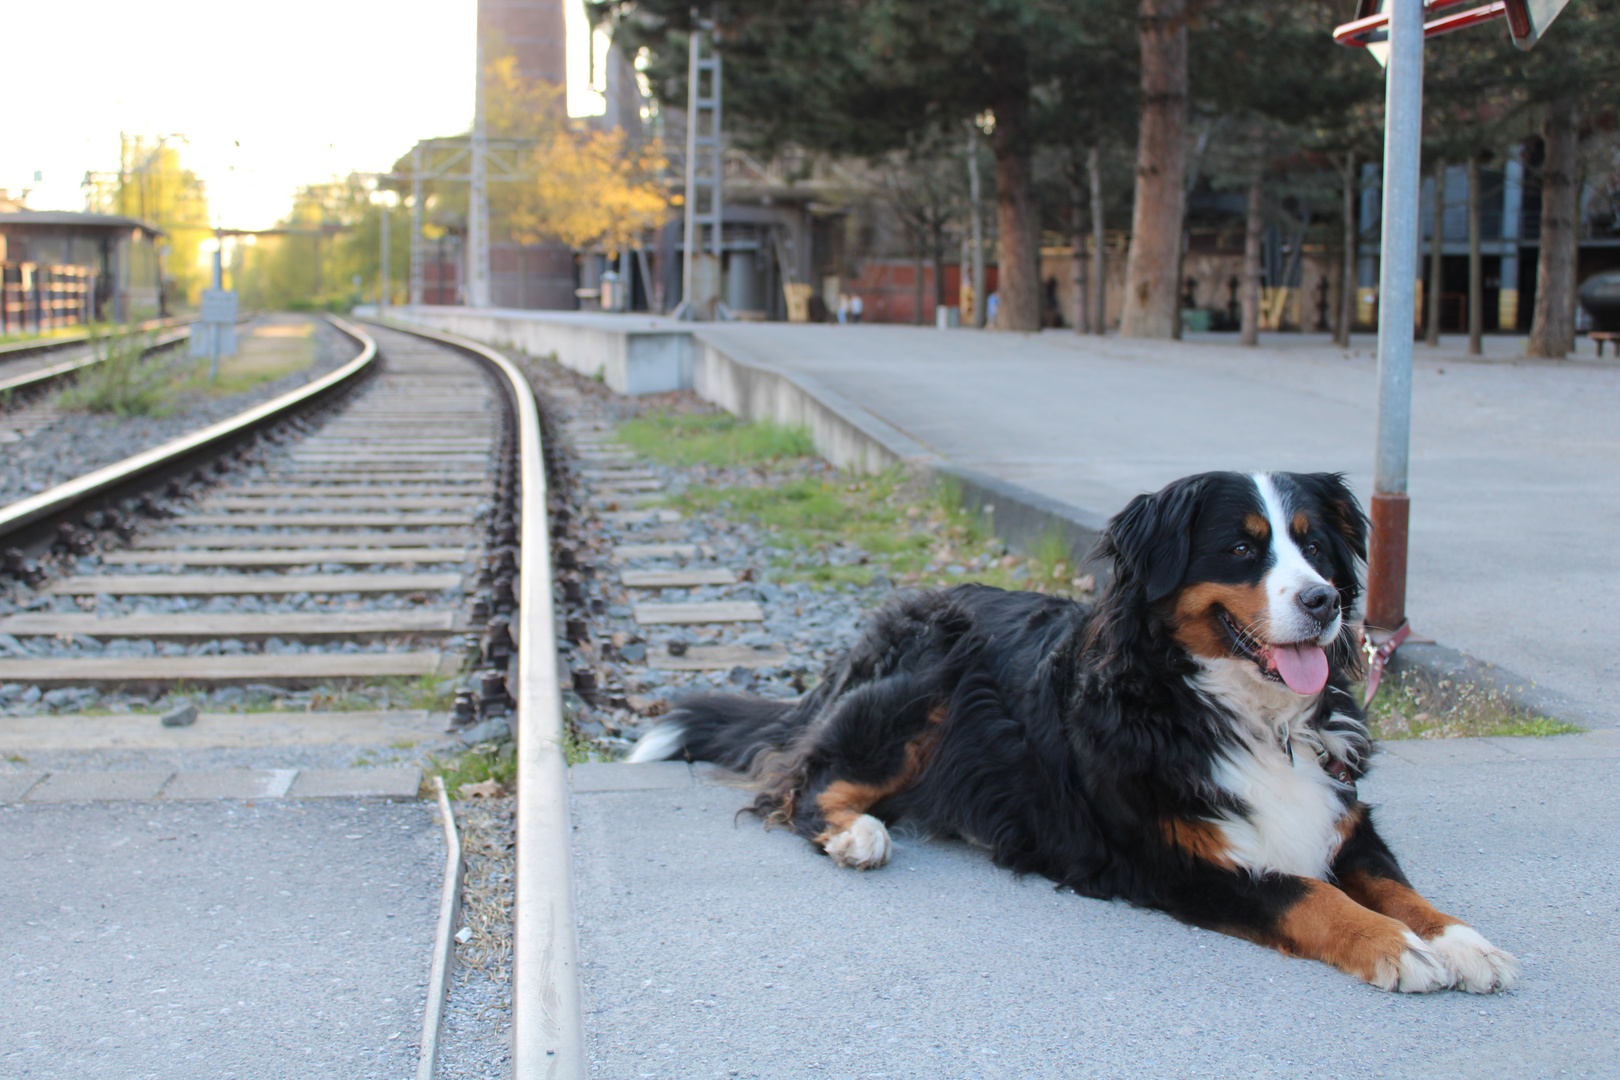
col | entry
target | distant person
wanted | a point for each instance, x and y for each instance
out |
(843, 308)
(856, 307)
(992, 305)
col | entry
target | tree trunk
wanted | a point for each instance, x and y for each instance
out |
(917, 285)
(1077, 210)
(939, 263)
(1552, 329)
(1099, 246)
(976, 227)
(1018, 277)
(1347, 283)
(1254, 225)
(1152, 293)
(1431, 331)
(1476, 263)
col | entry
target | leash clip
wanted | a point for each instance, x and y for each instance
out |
(1378, 658)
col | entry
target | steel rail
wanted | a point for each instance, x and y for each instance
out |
(109, 482)
(27, 348)
(548, 1023)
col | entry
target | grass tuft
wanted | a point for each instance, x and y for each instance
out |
(125, 383)
(713, 439)
(1416, 704)
(485, 761)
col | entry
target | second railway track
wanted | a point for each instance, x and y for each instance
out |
(342, 555)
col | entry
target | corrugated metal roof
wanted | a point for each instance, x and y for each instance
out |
(74, 218)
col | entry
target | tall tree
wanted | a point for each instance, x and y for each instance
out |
(1153, 266)
(873, 77)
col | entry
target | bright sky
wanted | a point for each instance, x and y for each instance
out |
(311, 89)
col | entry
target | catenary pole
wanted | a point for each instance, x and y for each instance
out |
(1403, 133)
(478, 202)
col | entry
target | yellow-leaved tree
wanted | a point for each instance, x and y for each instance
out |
(592, 189)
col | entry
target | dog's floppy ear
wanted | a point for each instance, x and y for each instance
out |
(1344, 511)
(1150, 541)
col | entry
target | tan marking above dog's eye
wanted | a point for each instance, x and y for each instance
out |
(1301, 523)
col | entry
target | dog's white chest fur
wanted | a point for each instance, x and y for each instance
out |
(1294, 808)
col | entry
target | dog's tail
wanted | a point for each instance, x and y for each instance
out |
(728, 729)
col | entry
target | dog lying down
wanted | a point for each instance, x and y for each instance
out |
(1189, 742)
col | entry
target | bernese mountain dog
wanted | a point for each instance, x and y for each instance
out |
(1190, 742)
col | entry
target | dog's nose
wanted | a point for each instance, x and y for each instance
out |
(1321, 602)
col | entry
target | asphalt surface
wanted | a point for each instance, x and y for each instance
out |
(272, 940)
(1515, 469)
(713, 948)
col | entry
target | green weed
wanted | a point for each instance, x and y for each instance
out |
(484, 761)
(124, 383)
(1414, 704)
(713, 439)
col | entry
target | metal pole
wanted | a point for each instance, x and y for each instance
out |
(478, 203)
(689, 238)
(215, 329)
(382, 285)
(1403, 145)
(418, 255)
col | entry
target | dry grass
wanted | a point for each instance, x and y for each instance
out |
(486, 895)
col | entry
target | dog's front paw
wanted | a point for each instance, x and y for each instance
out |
(1412, 968)
(1478, 966)
(864, 845)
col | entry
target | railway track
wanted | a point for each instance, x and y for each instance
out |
(30, 373)
(358, 538)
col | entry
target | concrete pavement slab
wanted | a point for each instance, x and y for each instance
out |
(99, 786)
(231, 784)
(1447, 751)
(1515, 470)
(13, 786)
(400, 783)
(254, 941)
(712, 947)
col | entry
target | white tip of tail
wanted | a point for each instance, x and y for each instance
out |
(659, 744)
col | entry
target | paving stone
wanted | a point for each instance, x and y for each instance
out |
(230, 784)
(400, 783)
(13, 786)
(98, 786)
(1448, 751)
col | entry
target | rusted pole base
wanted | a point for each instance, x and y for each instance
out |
(1386, 562)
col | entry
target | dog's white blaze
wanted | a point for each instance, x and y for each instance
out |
(1289, 574)
(658, 744)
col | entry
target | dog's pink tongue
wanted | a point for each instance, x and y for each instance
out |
(1303, 667)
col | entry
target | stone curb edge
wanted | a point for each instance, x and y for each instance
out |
(162, 785)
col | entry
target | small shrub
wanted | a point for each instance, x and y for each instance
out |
(124, 383)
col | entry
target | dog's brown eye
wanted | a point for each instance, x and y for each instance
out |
(1243, 551)
(1310, 549)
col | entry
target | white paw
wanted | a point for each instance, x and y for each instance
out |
(1418, 970)
(1479, 966)
(864, 845)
